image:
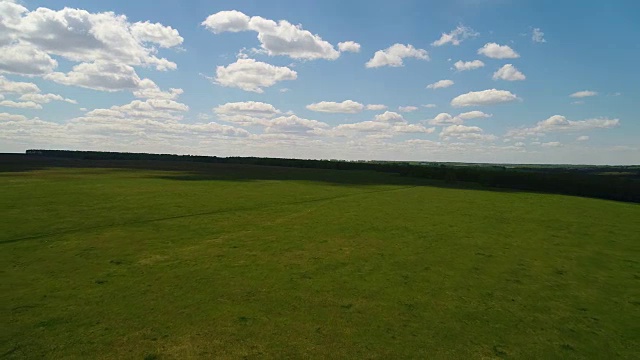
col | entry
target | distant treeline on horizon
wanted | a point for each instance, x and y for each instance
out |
(620, 183)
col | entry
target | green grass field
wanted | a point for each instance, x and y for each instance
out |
(226, 261)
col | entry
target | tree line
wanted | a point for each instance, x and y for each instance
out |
(620, 183)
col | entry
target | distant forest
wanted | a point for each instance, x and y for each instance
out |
(620, 183)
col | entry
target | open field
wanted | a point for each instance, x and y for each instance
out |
(179, 260)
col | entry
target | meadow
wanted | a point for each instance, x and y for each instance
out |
(162, 260)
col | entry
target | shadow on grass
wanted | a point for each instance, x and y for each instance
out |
(200, 171)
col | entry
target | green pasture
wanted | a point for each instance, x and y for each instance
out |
(181, 261)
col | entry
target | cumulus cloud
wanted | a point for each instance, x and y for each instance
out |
(165, 36)
(252, 75)
(389, 117)
(456, 36)
(495, 51)
(347, 107)
(80, 36)
(394, 55)
(430, 106)
(147, 89)
(551, 144)
(407, 108)
(376, 107)
(448, 119)
(99, 75)
(45, 98)
(582, 138)
(17, 87)
(30, 96)
(20, 104)
(462, 132)
(440, 84)
(25, 59)
(349, 46)
(508, 72)
(445, 119)
(386, 124)
(473, 115)
(276, 38)
(558, 123)
(485, 97)
(293, 124)
(468, 65)
(246, 112)
(537, 36)
(12, 117)
(583, 94)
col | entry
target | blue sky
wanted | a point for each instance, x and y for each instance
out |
(252, 85)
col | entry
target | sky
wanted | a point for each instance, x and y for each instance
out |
(499, 81)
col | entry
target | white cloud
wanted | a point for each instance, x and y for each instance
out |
(485, 97)
(17, 87)
(383, 125)
(577, 102)
(430, 106)
(582, 138)
(347, 106)
(558, 123)
(12, 117)
(445, 119)
(583, 94)
(284, 90)
(20, 105)
(459, 129)
(440, 84)
(456, 36)
(349, 46)
(407, 108)
(45, 98)
(252, 75)
(246, 113)
(81, 36)
(473, 115)
(394, 55)
(147, 89)
(412, 129)
(551, 144)
(99, 75)
(508, 72)
(468, 65)
(448, 119)
(495, 51)
(364, 126)
(25, 59)
(227, 21)
(462, 132)
(293, 124)
(537, 36)
(154, 120)
(376, 107)
(276, 38)
(389, 117)
(165, 36)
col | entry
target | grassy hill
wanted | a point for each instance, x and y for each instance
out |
(167, 260)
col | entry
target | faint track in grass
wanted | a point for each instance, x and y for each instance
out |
(206, 213)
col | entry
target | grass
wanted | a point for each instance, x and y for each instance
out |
(202, 261)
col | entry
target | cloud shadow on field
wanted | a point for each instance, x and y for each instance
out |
(200, 171)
